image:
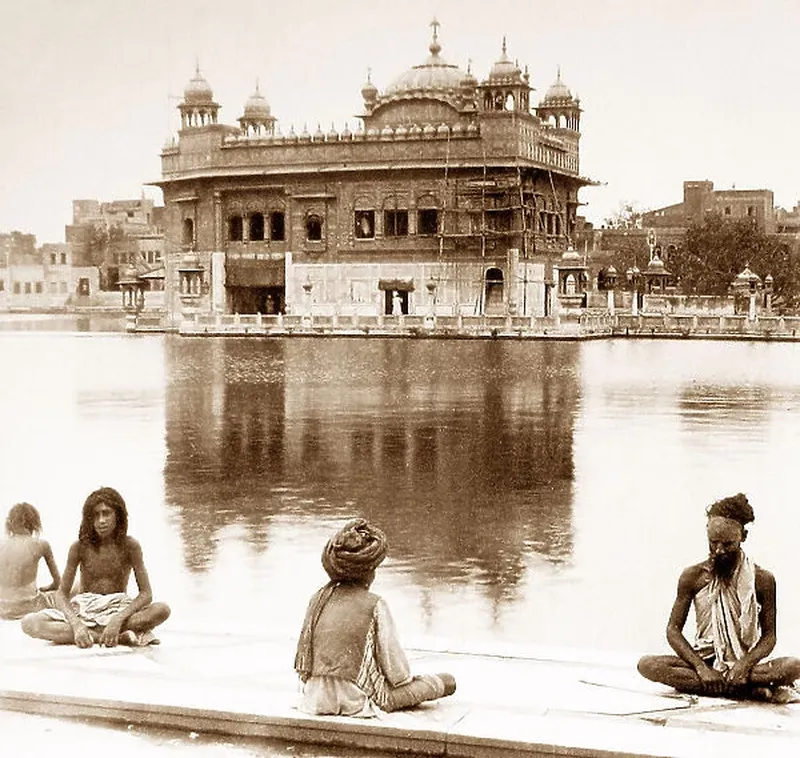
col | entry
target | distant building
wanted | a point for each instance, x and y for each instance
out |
(700, 199)
(788, 222)
(455, 196)
(41, 279)
(117, 234)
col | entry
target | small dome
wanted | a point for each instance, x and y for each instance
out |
(504, 67)
(369, 91)
(558, 92)
(198, 91)
(433, 76)
(257, 106)
(469, 81)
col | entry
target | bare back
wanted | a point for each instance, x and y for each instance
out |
(19, 564)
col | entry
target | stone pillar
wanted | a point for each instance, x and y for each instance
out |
(217, 221)
(218, 282)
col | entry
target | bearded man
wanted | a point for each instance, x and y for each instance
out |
(734, 604)
(348, 656)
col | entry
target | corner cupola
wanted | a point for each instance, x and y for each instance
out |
(559, 108)
(198, 108)
(506, 88)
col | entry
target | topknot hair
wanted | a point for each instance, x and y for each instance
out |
(735, 507)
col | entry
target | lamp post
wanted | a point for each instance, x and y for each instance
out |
(431, 286)
(769, 284)
(307, 288)
(610, 285)
(633, 274)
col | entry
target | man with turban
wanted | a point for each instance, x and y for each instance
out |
(348, 656)
(734, 604)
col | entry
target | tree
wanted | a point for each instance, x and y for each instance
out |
(628, 216)
(104, 244)
(717, 250)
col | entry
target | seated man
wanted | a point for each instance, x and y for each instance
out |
(734, 603)
(101, 612)
(348, 655)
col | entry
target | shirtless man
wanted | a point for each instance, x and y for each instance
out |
(101, 612)
(734, 603)
(20, 553)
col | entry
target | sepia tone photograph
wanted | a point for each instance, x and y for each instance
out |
(399, 379)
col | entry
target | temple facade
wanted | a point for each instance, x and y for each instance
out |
(454, 196)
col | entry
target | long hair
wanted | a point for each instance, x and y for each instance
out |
(23, 518)
(112, 498)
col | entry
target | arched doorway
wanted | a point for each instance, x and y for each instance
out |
(493, 301)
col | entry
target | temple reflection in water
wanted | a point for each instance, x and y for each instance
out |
(461, 452)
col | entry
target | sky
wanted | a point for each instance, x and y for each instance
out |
(671, 89)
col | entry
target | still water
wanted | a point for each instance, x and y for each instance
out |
(533, 493)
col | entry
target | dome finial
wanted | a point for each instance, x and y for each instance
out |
(504, 45)
(435, 47)
(558, 74)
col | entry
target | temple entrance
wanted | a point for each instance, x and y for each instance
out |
(395, 295)
(395, 302)
(268, 301)
(493, 298)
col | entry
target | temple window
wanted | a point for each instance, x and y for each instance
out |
(313, 227)
(395, 223)
(187, 237)
(235, 229)
(277, 226)
(257, 227)
(365, 224)
(428, 221)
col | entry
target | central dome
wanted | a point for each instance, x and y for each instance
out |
(433, 76)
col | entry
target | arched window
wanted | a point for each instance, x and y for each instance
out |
(235, 228)
(187, 235)
(277, 226)
(365, 224)
(569, 284)
(313, 227)
(257, 227)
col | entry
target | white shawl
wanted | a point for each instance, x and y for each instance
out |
(727, 616)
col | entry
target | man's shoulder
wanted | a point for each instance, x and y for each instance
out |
(130, 543)
(695, 576)
(763, 576)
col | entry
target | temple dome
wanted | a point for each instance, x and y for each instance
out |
(558, 92)
(504, 67)
(433, 76)
(198, 91)
(257, 106)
